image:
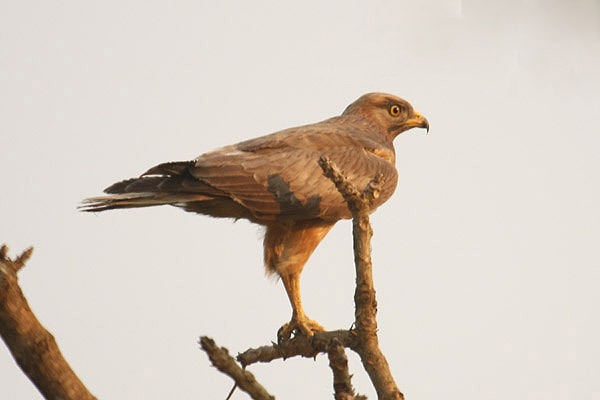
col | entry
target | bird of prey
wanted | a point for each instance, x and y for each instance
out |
(276, 181)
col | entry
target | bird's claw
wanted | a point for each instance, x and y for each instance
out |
(304, 327)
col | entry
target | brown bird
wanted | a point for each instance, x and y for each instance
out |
(276, 181)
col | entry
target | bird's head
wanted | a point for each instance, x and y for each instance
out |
(393, 114)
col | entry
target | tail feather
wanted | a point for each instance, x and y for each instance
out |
(173, 168)
(137, 200)
(168, 183)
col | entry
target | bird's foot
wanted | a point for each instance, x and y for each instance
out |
(298, 326)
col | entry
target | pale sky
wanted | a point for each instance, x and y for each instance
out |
(486, 259)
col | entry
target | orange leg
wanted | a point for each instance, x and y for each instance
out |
(300, 321)
(287, 248)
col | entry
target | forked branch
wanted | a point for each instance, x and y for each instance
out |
(363, 340)
(245, 380)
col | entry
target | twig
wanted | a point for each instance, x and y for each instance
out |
(364, 297)
(342, 380)
(359, 202)
(231, 391)
(297, 346)
(245, 380)
(32, 346)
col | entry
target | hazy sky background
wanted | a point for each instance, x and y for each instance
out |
(486, 258)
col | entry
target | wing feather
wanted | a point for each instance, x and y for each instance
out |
(285, 181)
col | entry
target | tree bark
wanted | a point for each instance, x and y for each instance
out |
(245, 380)
(359, 203)
(32, 346)
(342, 380)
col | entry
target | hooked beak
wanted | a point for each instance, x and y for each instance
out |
(418, 121)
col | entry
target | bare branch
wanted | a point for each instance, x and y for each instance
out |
(245, 380)
(357, 201)
(364, 297)
(297, 346)
(22, 259)
(32, 346)
(342, 380)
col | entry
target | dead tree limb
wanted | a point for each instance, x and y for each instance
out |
(38, 355)
(342, 380)
(363, 340)
(32, 346)
(297, 346)
(365, 301)
(245, 380)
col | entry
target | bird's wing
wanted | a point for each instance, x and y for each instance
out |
(278, 176)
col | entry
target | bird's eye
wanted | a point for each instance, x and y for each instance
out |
(395, 110)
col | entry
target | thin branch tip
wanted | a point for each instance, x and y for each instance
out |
(244, 379)
(22, 259)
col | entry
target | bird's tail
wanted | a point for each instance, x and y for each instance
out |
(169, 183)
